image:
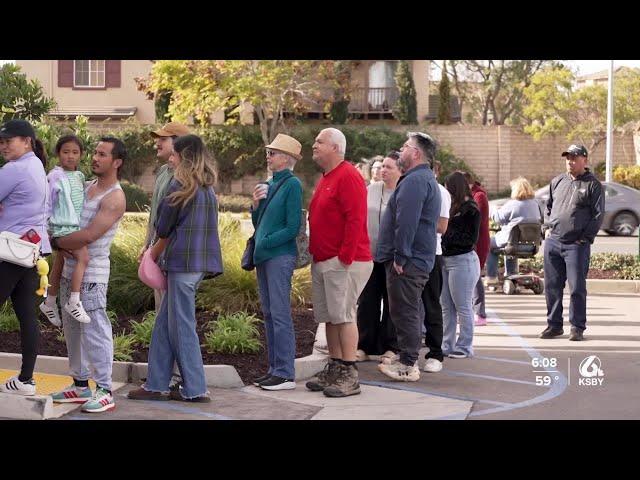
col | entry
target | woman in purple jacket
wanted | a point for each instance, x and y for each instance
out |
(23, 206)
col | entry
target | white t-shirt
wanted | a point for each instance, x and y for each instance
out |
(445, 206)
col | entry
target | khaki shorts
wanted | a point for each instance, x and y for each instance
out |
(336, 289)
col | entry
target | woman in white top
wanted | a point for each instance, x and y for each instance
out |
(377, 335)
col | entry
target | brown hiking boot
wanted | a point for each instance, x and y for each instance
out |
(346, 384)
(325, 378)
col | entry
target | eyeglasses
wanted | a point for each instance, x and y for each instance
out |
(271, 153)
(406, 145)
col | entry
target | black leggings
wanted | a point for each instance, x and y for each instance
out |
(20, 284)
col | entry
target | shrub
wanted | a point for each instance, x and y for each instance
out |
(137, 199)
(113, 317)
(629, 176)
(235, 333)
(234, 203)
(127, 295)
(123, 347)
(140, 147)
(143, 330)
(8, 320)
(236, 289)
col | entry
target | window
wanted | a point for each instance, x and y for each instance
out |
(89, 73)
(610, 191)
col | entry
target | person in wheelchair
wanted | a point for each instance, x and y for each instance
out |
(521, 209)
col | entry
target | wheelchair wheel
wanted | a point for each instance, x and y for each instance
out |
(538, 287)
(509, 287)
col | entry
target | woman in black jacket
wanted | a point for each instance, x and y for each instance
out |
(461, 268)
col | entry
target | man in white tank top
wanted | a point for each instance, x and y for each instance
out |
(90, 345)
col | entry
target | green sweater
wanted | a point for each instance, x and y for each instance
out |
(278, 229)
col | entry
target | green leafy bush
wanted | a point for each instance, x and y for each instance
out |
(123, 347)
(8, 320)
(137, 199)
(127, 295)
(235, 333)
(629, 176)
(144, 329)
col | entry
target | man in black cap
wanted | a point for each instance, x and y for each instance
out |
(574, 214)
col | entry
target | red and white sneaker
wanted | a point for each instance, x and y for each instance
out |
(72, 394)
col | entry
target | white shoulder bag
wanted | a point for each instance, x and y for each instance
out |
(14, 250)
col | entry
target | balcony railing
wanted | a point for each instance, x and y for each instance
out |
(364, 100)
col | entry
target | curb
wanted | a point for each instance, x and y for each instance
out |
(612, 286)
(218, 376)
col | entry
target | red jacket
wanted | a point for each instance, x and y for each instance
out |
(482, 247)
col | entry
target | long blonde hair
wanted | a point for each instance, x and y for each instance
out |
(196, 169)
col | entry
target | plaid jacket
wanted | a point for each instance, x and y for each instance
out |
(194, 245)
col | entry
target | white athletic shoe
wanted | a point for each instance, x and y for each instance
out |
(77, 312)
(51, 313)
(432, 365)
(13, 385)
(400, 371)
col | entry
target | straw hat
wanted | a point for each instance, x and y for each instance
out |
(286, 144)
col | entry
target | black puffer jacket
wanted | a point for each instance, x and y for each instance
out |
(463, 229)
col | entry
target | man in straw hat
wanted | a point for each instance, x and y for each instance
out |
(276, 216)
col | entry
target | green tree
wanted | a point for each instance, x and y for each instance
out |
(493, 89)
(406, 109)
(555, 106)
(202, 87)
(444, 107)
(21, 98)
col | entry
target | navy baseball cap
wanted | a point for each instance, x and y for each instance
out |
(577, 150)
(17, 128)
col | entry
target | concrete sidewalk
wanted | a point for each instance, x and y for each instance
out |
(502, 381)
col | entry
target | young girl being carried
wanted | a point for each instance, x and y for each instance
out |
(66, 184)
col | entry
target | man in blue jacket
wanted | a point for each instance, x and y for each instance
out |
(574, 214)
(407, 247)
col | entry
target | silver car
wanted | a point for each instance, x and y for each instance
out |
(622, 207)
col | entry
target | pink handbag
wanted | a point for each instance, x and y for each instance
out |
(150, 274)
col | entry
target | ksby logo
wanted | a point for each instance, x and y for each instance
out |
(591, 372)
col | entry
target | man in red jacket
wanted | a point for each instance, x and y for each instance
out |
(342, 264)
(482, 247)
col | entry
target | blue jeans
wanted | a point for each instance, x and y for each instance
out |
(460, 275)
(274, 286)
(566, 262)
(510, 264)
(174, 338)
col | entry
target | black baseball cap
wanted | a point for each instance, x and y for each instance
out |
(577, 150)
(17, 128)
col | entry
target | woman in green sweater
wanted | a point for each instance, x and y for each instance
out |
(276, 216)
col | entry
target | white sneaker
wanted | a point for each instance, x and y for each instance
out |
(389, 357)
(361, 356)
(400, 371)
(51, 313)
(13, 385)
(432, 365)
(77, 312)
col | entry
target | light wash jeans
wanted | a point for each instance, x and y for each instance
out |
(274, 285)
(174, 338)
(460, 274)
(510, 264)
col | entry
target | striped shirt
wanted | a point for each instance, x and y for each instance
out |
(76, 180)
(99, 264)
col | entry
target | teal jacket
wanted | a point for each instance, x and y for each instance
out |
(278, 229)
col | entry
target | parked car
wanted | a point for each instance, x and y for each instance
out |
(622, 207)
